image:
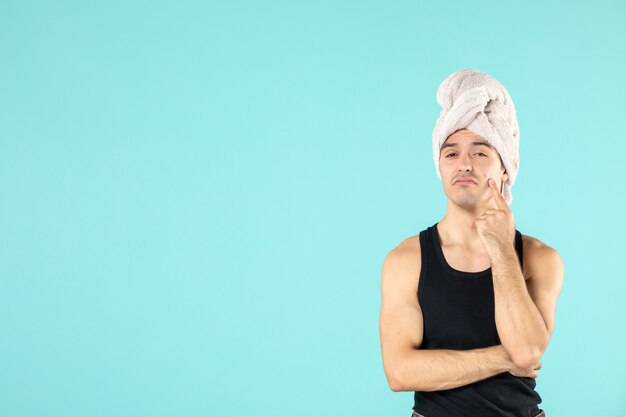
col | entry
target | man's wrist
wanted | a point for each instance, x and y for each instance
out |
(502, 254)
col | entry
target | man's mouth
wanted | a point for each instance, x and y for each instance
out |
(464, 181)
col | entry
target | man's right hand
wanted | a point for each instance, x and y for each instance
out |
(527, 372)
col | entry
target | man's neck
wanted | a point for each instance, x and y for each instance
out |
(458, 226)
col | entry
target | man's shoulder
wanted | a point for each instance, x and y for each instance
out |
(534, 245)
(402, 267)
(405, 254)
(407, 248)
(538, 254)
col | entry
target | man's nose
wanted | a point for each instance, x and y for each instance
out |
(464, 163)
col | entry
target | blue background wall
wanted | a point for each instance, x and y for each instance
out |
(197, 197)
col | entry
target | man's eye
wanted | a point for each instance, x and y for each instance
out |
(477, 153)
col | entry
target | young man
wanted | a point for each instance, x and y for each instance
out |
(468, 305)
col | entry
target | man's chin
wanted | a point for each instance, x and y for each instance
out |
(467, 200)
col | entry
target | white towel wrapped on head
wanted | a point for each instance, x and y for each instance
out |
(473, 100)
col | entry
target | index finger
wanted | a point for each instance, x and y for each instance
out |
(497, 195)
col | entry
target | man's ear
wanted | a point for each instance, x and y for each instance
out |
(505, 176)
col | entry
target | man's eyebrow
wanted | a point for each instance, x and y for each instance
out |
(453, 144)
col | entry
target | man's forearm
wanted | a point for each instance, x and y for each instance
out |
(440, 369)
(521, 328)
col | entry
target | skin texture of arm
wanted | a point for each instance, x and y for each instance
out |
(440, 369)
(525, 309)
(401, 331)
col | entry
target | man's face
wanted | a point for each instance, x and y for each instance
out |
(463, 157)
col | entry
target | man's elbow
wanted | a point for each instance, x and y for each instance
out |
(395, 387)
(527, 358)
(395, 381)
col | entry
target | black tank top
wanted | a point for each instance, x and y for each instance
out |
(459, 313)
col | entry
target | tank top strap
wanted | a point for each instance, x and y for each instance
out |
(426, 251)
(519, 248)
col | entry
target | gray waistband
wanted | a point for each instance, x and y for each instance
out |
(416, 414)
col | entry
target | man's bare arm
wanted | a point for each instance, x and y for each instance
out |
(440, 369)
